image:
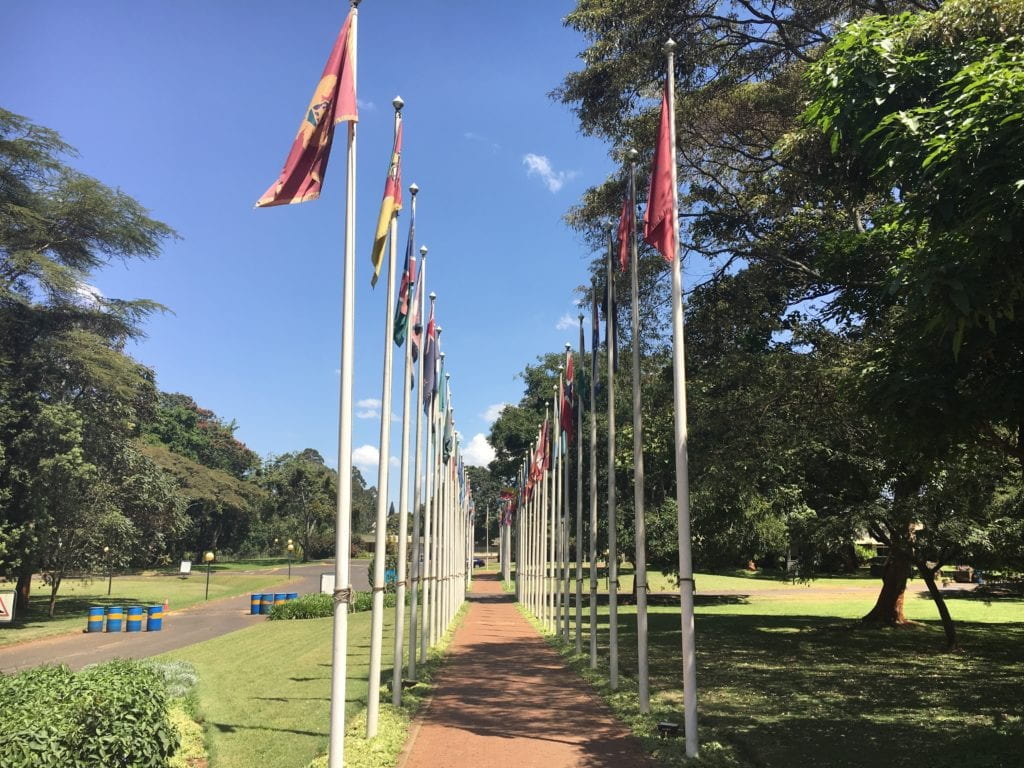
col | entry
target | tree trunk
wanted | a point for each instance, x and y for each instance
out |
(928, 574)
(24, 590)
(888, 610)
(53, 593)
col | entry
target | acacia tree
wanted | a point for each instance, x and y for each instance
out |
(70, 399)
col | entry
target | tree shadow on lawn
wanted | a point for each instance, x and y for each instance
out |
(783, 687)
(69, 607)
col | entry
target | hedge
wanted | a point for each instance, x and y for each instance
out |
(113, 714)
(318, 606)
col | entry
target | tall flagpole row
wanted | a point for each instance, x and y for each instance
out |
(417, 498)
(613, 554)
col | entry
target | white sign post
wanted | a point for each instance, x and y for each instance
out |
(185, 569)
(7, 600)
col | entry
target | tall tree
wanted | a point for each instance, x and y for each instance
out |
(70, 399)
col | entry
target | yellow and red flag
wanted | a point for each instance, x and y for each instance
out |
(390, 205)
(333, 102)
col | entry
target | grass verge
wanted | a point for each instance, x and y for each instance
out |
(394, 722)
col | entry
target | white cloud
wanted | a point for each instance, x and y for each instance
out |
(87, 295)
(470, 136)
(566, 323)
(366, 458)
(479, 452)
(493, 412)
(368, 408)
(540, 165)
(369, 106)
(394, 461)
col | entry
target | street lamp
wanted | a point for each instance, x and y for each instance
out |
(291, 548)
(110, 570)
(208, 558)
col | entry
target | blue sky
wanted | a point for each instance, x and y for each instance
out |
(190, 107)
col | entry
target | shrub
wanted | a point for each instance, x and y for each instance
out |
(315, 606)
(318, 606)
(105, 715)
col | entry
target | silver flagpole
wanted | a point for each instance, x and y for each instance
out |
(566, 474)
(640, 574)
(417, 548)
(377, 618)
(613, 555)
(579, 500)
(435, 514)
(682, 470)
(544, 516)
(403, 485)
(556, 510)
(593, 495)
(343, 517)
(429, 445)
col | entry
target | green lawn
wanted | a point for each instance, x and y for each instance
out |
(787, 682)
(265, 691)
(76, 595)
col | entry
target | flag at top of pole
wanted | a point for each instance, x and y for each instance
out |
(429, 384)
(333, 102)
(568, 396)
(390, 205)
(407, 291)
(627, 227)
(660, 218)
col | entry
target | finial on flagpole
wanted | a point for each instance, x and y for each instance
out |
(632, 154)
(432, 294)
(568, 346)
(413, 189)
(581, 318)
(398, 103)
(355, 3)
(423, 254)
(669, 46)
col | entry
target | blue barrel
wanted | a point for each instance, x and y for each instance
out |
(115, 617)
(95, 623)
(293, 596)
(154, 618)
(254, 604)
(280, 597)
(135, 618)
(266, 601)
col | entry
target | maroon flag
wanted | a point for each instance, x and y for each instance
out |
(568, 399)
(333, 102)
(627, 228)
(659, 218)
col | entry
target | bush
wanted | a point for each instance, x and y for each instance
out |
(321, 606)
(105, 715)
(315, 606)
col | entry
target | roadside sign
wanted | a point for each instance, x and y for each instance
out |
(7, 607)
(327, 583)
(185, 568)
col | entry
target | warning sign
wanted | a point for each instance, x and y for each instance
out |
(6, 607)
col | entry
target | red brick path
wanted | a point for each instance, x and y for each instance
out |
(506, 700)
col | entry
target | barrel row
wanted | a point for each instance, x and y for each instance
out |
(115, 617)
(262, 603)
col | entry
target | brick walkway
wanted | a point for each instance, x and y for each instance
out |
(506, 700)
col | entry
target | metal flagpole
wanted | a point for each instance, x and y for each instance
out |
(343, 517)
(435, 514)
(640, 535)
(613, 555)
(403, 486)
(429, 444)
(682, 470)
(593, 485)
(377, 618)
(556, 509)
(546, 586)
(417, 548)
(579, 500)
(566, 467)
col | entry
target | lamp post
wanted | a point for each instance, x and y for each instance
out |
(110, 570)
(208, 558)
(291, 548)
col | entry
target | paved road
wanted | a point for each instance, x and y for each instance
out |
(180, 628)
(505, 699)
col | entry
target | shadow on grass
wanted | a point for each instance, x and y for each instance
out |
(780, 688)
(234, 728)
